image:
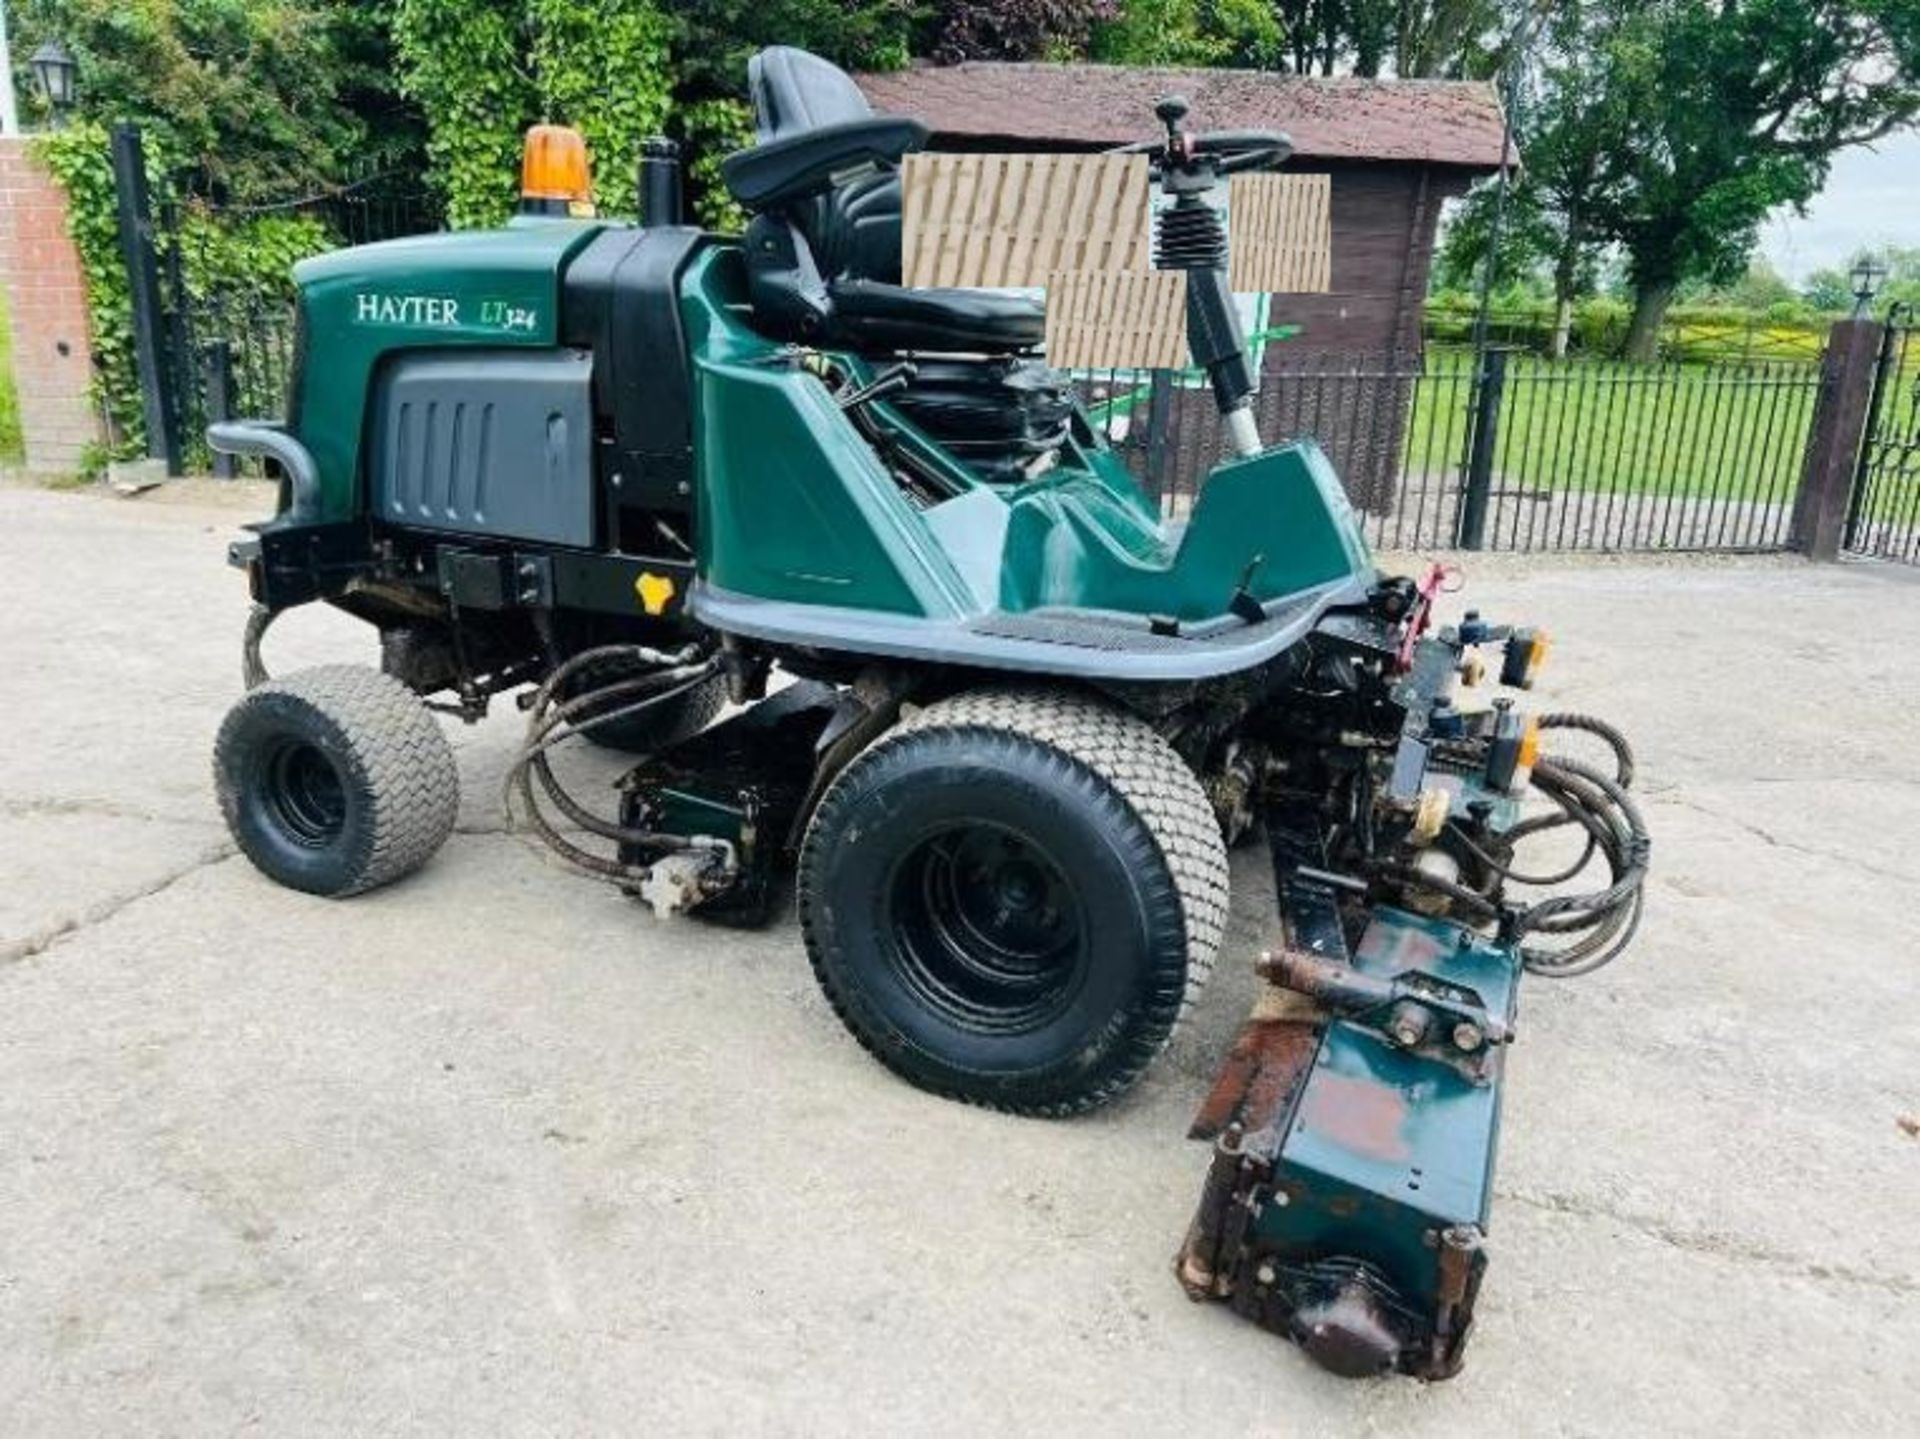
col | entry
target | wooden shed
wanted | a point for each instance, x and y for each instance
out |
(1395, 151)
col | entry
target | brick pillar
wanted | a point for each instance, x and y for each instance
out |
(47, 305)
(1833, 443)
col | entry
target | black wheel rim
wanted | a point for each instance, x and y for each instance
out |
(304, 794)
(986, 930)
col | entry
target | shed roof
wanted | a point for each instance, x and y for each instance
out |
(1441, 122)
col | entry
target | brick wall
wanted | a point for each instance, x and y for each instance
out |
(46, 299)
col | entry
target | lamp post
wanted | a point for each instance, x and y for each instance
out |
(1868, 274)
(9, 115)
(54, 72)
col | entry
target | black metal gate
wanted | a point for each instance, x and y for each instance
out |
(1883, 513)
(215, 339)
(230, 336)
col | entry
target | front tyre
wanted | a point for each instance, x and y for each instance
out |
(335, 780)
(1013, 898)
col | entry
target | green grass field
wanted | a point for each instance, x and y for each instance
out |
(1725, 431)
(10, 449)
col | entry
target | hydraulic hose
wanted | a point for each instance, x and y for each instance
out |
(551, 722)
(253, 669)
(1594, 927)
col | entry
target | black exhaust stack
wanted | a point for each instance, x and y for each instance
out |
(660, 188)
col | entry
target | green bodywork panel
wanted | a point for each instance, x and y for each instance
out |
(360, 306)
(1280, 522)
(794, 504)
(1385, 1147)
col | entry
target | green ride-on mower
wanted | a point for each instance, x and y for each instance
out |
(997, 720)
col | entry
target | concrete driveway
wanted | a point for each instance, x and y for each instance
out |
(495, 1151)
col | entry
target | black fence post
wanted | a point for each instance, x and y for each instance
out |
(1471, 532)
(220, 401)
(184, 381)
(143, 284)
(1159, 422)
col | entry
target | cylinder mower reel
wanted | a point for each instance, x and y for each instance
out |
(884, 623)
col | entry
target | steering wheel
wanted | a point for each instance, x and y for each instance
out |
(1215, 152)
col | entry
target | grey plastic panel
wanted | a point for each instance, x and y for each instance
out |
(487, 442)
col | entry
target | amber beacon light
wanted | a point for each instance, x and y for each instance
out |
(553, 173)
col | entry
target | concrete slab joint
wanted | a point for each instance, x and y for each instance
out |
(47, 309)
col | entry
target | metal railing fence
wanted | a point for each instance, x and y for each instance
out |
(1509, 452)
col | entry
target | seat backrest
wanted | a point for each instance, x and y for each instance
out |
(793, 91)
(853, 231)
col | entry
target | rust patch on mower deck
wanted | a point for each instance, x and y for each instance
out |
(1360, 1115)
(1262, 1073)
(1398, 947)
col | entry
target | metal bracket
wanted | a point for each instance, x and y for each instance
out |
(533, 580)
(1411, 1010)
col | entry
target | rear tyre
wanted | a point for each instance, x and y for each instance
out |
(1014, 897)
(335, 780)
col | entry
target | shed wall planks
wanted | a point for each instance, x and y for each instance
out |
(1014, 220)
(1117, 319)
(1282, 234)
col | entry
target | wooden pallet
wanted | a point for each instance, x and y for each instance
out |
(1122, 319)
(1013, 220)
(1282, 235)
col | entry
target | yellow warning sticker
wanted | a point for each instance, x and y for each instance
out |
(655, 591)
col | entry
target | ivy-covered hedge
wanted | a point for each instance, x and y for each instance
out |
(483, 70)
(711, 130)
(244, 262)
(1691, 333)
(618, 71)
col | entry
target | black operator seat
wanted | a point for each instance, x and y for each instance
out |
(823, 247)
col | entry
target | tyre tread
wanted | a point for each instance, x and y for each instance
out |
(411, 774)
(1148, 774)
(1127, 762)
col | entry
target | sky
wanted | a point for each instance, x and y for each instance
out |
(1872, 198)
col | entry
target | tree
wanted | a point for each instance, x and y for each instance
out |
(1760, 288)
(1245, 34)
(1831, 291)
(1529, 240)
(1670, 129)
(1447, 38)
(1575, 122)
(1412, 39)
(960, 30)
(1570, 130)
(715, 37)
(394, 133)
(1828, 291)
(253, 98)
(1734, 108)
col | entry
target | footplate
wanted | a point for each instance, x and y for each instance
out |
(1346, 1205)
